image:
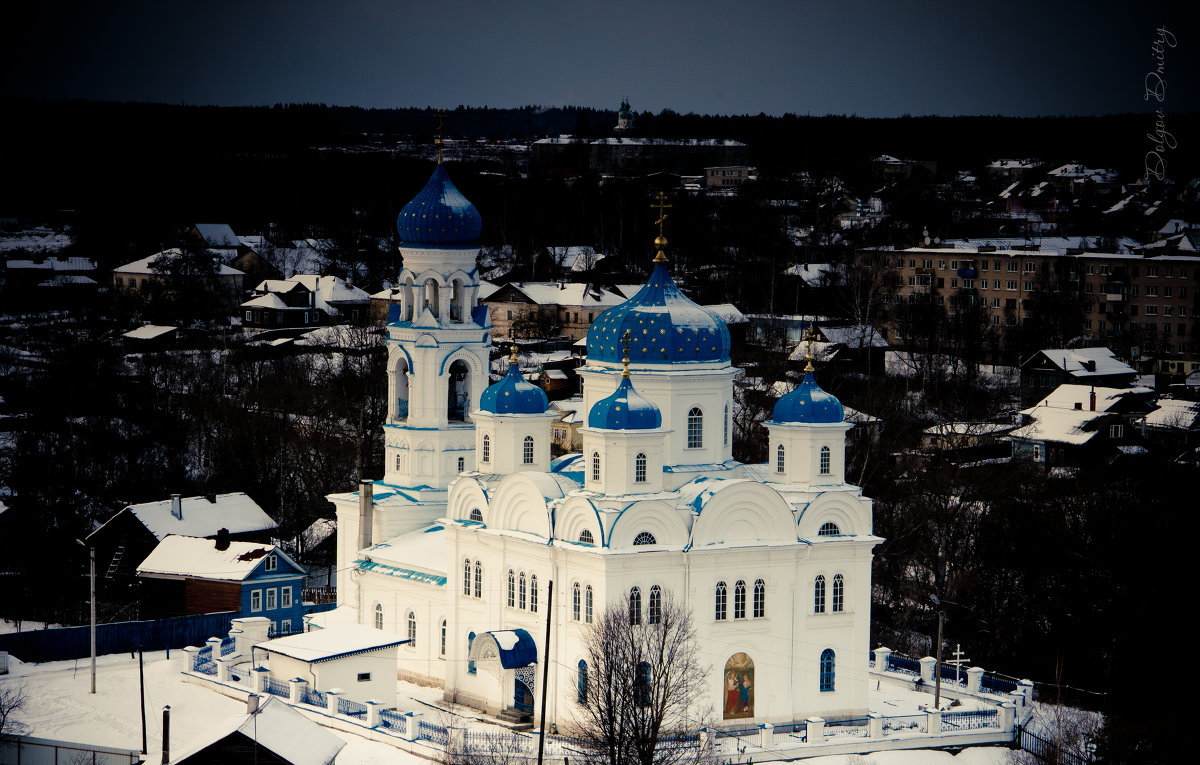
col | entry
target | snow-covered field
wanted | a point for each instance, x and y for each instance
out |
(59, 706)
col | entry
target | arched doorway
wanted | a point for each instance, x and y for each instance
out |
(400, 390)
(738, 688)
(458, 391)
(522, 697)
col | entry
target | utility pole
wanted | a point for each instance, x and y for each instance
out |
(937, 694)
(546, 666)
(142, 690)
(92, 557)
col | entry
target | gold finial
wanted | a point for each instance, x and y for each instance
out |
(438, 141)
(660, 241)
(625, 341)
(512, 356)
(811, 337)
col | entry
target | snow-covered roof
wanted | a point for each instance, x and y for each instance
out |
(336, 641)
(728, 313)
(813, 273)
(1087, 362)
(51, 264)
(854, 336)
(146, 265)
(418, 555)
(217, 235)
(1066, 426)
(569, 293)
(200, 517)
(35, 241)
(859, 418)
(1057, 245)
(1073, 396)
(269, 300)
(317, 532)
(573, 408)
(1174, 414)
(330, 290)
(253, 241)
(1013, 164)
(149, 332)
(196, 557)
(966, 429)
(280, 729)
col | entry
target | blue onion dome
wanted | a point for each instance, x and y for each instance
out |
(624, 409)
(439, 216)
(808, 403)
(513, 394)
(666, 326)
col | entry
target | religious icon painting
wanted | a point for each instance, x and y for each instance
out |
(738, 702)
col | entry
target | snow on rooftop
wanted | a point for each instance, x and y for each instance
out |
(1069, 396)
(149, 332)
(727, 312)
(420, 550)
(1087, 362)
(1174, 413)
(855, 336)
(200, 558)
(218, 235)
(1068, 426)
(200, 517)
(280, 729)
(35, 241)
(570, 293)
(333, 642)
(146, 265)
(51, 264)
(269, 300)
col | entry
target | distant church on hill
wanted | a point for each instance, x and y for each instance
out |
(455, 547)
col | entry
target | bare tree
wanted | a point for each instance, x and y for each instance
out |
(642, 687)
(12, 701)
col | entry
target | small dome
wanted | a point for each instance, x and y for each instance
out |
(808, 403)
(625, 409)
(665, 327)
(439, 215)
(513, 394)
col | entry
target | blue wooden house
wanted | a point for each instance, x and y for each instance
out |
(193, 575)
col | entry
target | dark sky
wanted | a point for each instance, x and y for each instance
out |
(867, 58)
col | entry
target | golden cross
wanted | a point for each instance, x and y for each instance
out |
(662, 205)
(811, 337)
(625, 341)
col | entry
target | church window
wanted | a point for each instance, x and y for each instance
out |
(575, 602)
(528, 453)
(827, 670)
(587, 604)
(412, 630)
(443, 645)
(595, 466)
(779, 461)
(462, 464)
(654, 615)
(829, 529)
(581, 681)
(641, 685)
(839, 589)
(476, 515)
(467, 577)
(824, 460)
(378, 616)
(398, 462)
(487, 448)
(478, 580)
(639, 468)
(760, 599)
(739, 600)
(586, 538)
(470, 663)
(819, 595)
(725, 429)
(533, 593)
(645, 538)
(720, 601)
(695, 428)
(521, 592)
(512, 588)
(635, 606)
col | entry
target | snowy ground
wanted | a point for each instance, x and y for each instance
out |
(59, 706)
(8, 626)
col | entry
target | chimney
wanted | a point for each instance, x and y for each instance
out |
(211, 497)
(177, 506)
(364, 513)
(1079, 406)
(252, 703)
(1092, 399)
(166, 754)
(222, 539)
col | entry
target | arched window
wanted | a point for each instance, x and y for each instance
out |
(829, 529)
(587, 604)
(443, 649)
(760, 599)
(575, 602)
(635, 606)
(398, 462)
(476, 515)
(462, 464)
(839, 589)
(654, 615)
(487, 448)
(595, 466)
(827, 670)
(470, 664)
(739, 600)
(581, 683)
(824, 460)
(645, 538)
(412, 630)
(585, 537)
(695, 428)
(521, 595)
(819, 595)
(779, 460)
(720, 601)
(528, 447)
(478, 579)
(378, 616)
(639, 468)
(641, 685)
(533, 593)
(725, 429)
(467, 577)
(512, 588)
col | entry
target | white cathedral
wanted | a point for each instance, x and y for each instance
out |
(455, 548)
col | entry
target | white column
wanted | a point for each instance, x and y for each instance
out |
(933, 722)
(445, 294)
(874, 725)
(373, 708)
(974, 679)
(816, 730)
(765, 732)
(297, 686)
(928, 667)
(882, 657)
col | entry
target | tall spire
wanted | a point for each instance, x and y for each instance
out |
(660, 241)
